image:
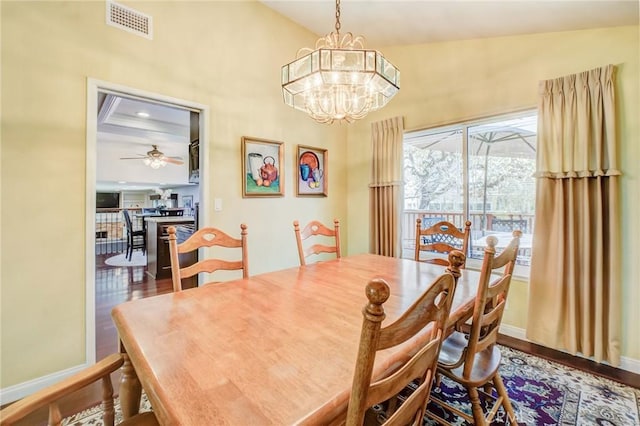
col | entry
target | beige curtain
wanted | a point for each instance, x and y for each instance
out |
(574, 295)
(386, 187)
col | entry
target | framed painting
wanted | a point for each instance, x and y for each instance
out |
(262, 170)
(312, 166)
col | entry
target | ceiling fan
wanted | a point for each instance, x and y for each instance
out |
(156, 158)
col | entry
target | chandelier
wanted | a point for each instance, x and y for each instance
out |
(340, 80)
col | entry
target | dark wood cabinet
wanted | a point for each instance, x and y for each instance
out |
(158, 257)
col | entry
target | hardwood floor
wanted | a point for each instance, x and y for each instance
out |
(115, 285)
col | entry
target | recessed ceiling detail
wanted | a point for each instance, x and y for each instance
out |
(118, 119)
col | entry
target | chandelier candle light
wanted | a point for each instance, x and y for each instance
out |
(340, 80)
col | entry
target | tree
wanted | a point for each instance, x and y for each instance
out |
(430, 173)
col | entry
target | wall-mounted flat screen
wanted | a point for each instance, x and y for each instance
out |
(107, 200)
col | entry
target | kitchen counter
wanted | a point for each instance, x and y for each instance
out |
(158, 257)
(170, 219)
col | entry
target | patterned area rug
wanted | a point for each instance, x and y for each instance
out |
(542, 392)
(93, 415)
(546, 393)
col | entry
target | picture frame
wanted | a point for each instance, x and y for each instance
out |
(312, 170)
(187, 201)
(262, 168)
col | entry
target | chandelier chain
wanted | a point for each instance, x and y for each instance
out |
(337, 16)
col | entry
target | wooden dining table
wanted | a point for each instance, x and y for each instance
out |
(274, 349)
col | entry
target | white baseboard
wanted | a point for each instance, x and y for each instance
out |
(628, 364)
(511, 331)
(16, 392)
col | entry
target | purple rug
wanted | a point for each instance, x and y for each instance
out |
(546, 393)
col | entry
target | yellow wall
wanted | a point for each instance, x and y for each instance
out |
(454, 81)
(226, 55)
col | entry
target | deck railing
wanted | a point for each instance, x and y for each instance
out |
(481, 225)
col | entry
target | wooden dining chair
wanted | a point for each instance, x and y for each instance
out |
(441, 237)
(427, 317)
(472, 358)
(51, 395)
(206, 237)
(317, 229)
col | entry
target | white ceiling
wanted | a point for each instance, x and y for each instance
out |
(124, 132)
(400, 22)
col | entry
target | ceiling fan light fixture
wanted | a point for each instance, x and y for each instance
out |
(155, 163)
(340, 80)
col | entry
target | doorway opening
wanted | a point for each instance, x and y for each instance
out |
(144, 157)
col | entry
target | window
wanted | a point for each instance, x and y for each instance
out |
(481, 170)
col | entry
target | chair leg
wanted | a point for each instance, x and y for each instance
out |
(506, 402)
(129, 247)
(476, 407)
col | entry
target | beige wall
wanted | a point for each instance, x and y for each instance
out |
(226, 55)
(453, 81)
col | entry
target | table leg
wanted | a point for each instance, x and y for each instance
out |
(130, 388)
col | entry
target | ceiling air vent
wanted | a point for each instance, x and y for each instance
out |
(130, 20)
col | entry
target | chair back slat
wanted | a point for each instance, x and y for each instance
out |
(209, 237)
(210, 266)
(312, 230)
(202, 238)
(420, 367)
(508, 254)
(441, 237)
(319, 248)
(424, 310)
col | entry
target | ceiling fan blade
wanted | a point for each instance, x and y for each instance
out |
(174, 160)
(156, 155)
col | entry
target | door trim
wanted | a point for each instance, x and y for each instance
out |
(93, 87)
